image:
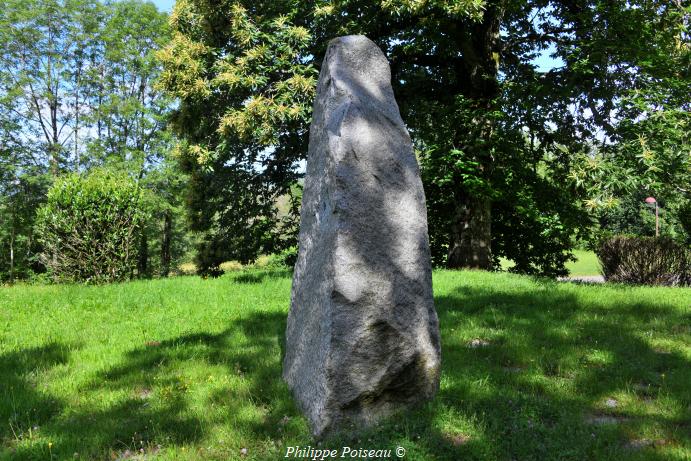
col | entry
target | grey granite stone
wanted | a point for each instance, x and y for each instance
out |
(362, 340)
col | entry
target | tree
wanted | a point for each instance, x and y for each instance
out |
(127, 112)
(43, 64)
(497, 138)
(244, 97)
(19, 197)
(23, 183)
(77, 93)
(166, 233)
(645, 149)
(129, 115)
(519, 150)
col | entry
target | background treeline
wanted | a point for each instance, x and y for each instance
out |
(210, 109)
(77, 94)
(517, 162)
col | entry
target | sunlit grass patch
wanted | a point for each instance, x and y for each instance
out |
(188, 368)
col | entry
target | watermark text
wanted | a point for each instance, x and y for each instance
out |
(322, 454)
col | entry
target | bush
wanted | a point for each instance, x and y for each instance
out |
(90, 228)
(187, 269)
(644, 260)
(230, 266)
(286, 259)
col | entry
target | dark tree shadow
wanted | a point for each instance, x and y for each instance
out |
(24, 406)
(535, 392)
(156, 411)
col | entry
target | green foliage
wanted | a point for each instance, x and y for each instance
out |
(630, 214)
(638, 96)
(127, 114)
(534, 226)
(612, 119)
(684, 216)
(107, 371)
(77, 75)
(645, 261)
(286, 259)
(167, 234)
(534, 217)
(245, 98)
(20, 195)
(76, 93)
(90, 228)
(498, 138)
(257, 79)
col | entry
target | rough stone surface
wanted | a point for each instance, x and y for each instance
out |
(362, 339)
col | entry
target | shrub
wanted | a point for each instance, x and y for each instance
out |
(289, 257)
(187, 269)
(90, 228)
(283, 260)
(230, 266)
(644, 260)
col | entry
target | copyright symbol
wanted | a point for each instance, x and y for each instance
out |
(400, 452)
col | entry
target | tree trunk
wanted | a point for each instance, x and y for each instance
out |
(76, 117)
(471, 234)
(165, 243)
(54, 146)
(471, 230)
(143, 259)
(12, 256)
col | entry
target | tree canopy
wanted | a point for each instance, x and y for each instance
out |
(502, 144)
(518, 161)
(77, 93)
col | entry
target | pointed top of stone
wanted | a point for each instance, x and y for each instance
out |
(357, 67)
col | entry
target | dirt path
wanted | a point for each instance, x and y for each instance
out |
(584, 279)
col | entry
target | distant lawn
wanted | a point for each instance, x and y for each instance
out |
(189, 369)
(586, 264)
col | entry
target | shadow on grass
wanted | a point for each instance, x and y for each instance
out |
(532, 393)
(24, 406)
(154, 398)
(551, 381)
(538, 389)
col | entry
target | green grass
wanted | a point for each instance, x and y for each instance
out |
(586, 264)
(190, 369)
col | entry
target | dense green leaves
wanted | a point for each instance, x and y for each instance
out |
(90, 228)
(20, 196)
(498, 139)
(245, 93)
(77, 79)
(614, 116)
(518, 161)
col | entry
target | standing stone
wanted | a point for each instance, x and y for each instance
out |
(363, 337)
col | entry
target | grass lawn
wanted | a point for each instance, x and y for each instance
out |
(190, 369)
(586, 264)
